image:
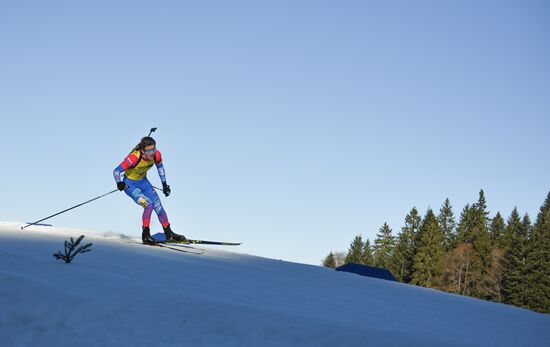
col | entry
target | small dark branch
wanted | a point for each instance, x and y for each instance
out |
(71, 250)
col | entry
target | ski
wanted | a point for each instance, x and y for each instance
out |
(160, 238)
(174, 247)
(205, 242)
(184, 250)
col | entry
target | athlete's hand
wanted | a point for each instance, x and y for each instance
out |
(166, 189)
(121, 186)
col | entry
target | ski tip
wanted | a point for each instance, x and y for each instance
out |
(213, 243)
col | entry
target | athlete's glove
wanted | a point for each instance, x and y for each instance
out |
(166, 189)
(121, 186)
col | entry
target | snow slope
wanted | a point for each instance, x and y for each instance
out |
(126, 294)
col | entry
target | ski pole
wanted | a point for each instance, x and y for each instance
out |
(58, 213)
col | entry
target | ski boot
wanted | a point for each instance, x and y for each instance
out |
(146, 237)
(172, 236)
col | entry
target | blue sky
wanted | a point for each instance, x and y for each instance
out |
(289, 125)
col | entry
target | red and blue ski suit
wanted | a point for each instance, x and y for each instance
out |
(139, 188)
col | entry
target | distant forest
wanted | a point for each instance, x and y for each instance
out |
(506, 261)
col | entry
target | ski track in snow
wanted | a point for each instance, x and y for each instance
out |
(126, 294)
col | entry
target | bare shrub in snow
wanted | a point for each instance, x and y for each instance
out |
(72, 249)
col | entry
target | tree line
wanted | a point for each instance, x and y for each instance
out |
(505, 261)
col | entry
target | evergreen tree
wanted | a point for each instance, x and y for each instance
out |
(383, 246)
(481, 243)
(513, 285)
(512, 225)
(482, 206)
(427, 265)
(447, 224)
(458, 264)
(494, 278)
(368, 257)
(527, 226)
(538, 262)
(473, 229)
(355, 253)
(330, 261)
(466, 225)
(405, 248)
(497, 231)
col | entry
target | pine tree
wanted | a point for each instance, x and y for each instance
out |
(473, 229)
(494, 278)
(368, 257)
(461, 258)
(405, 248)
(330, 261)
(497, 231)
(427, 266)
(383, 247)
(482, 206)
(482, 249)
(512, 225)
(466, 225)
(538, 262)
(513, 285)
(447, 224)
(355, 253)
(527, 226)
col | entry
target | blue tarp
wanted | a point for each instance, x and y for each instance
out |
(365, 270)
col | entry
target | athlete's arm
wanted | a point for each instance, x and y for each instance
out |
(160, 166)
(129, 162)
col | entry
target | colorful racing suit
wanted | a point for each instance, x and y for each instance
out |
(139, 188)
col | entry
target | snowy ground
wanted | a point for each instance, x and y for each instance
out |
(126, 294)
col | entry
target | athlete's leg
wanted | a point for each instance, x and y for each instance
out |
(136, 191)
(142, 193)
(150, 193)
(161, 213)
(146, 216)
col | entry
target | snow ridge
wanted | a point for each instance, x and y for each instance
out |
(123, 293)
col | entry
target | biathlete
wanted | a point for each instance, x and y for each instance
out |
(136, 185)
